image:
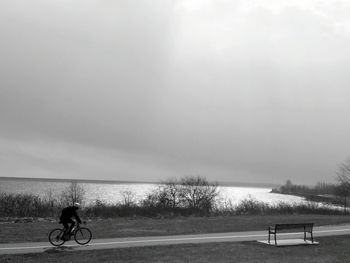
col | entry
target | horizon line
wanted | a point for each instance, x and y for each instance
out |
(105, 181)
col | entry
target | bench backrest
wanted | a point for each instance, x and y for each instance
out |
(308, 226)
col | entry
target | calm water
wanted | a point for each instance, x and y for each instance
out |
(113, 193)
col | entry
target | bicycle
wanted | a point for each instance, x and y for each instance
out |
(82, 235)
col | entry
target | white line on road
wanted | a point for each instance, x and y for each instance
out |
(10, 248)
(334, 230)
(175, 239)
(211, 237)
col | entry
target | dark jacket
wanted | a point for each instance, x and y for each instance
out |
(68, 213)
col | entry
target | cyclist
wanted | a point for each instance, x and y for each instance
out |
(66, 217)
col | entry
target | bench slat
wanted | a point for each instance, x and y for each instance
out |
(293, 226)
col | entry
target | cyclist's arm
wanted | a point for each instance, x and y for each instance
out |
(77, 218)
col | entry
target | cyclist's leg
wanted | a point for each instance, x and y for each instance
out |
(66, 227)
(72, 224)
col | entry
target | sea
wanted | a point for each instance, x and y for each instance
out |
(111, 192)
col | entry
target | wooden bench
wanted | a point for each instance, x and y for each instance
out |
(307, 227)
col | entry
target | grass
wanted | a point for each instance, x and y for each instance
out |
(132, 227)
(331, 250)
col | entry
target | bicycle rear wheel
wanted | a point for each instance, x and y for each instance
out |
(56, 236)
(82, 235)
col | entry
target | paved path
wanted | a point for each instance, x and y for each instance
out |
(39, 247)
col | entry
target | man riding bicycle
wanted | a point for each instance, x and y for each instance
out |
(66, 217)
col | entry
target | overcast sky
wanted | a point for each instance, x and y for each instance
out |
(251, 90)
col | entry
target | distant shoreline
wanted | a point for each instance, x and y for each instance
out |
(222, 184)
(57, 180)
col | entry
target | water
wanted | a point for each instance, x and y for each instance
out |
(237, 194)
(113, 193)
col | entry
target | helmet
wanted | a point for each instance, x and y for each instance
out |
(76, 204)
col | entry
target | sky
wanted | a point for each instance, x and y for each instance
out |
(145, 90)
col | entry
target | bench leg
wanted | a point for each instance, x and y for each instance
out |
(269, 237)
(304, 234)
(312, 237)
(275, 239)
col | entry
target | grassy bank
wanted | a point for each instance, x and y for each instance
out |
(330, 250)
(132, 227)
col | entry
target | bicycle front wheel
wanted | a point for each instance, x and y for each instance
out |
(82, 235)
(56, 237)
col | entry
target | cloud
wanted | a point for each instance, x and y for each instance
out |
(54, 159)
(233, 90)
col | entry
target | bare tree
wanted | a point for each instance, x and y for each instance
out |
(343, 178)
(128, 198)
(194, 193)
(166, 195)
(50, 198)
(169, 193)
(197, 193)
(73, 193)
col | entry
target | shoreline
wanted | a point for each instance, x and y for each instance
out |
(323, 199)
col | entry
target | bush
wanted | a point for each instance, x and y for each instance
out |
(26, 205)
(252, 207)
(189, 196)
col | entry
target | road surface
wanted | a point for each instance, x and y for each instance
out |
(40, 247)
